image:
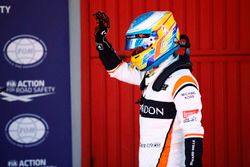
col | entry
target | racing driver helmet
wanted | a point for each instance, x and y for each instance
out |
(152, 37)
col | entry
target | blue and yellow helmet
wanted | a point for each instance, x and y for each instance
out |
(152, 36)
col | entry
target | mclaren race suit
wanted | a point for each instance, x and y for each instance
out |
(170, 119)
(170, 116)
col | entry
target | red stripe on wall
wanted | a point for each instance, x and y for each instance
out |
(85, 88)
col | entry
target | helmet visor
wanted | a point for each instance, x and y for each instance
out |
(138, 40)
(134, 43)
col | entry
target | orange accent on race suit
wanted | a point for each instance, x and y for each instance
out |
(163, 161)
(181, 81)
(194, 134)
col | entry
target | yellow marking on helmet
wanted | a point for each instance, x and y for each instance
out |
(142, 66)
(170, 22)
(178, 34)
(166, 39)
(161, 22)
(136, 60)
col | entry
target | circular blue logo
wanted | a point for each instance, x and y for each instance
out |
(25, 51)
(26, 130)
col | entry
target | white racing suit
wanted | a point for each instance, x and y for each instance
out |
(170, 120)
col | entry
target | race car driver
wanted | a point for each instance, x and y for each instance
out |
(171, 133)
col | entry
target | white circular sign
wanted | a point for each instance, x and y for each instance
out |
(25, 51)
(26, 130)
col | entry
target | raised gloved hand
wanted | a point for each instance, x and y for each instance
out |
(106, 53)
(102, 26)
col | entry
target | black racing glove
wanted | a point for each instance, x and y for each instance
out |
(106, 53)
(193, 152)
(102, 26)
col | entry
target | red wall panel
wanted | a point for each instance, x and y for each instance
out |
(219, 33)
(221, 81)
